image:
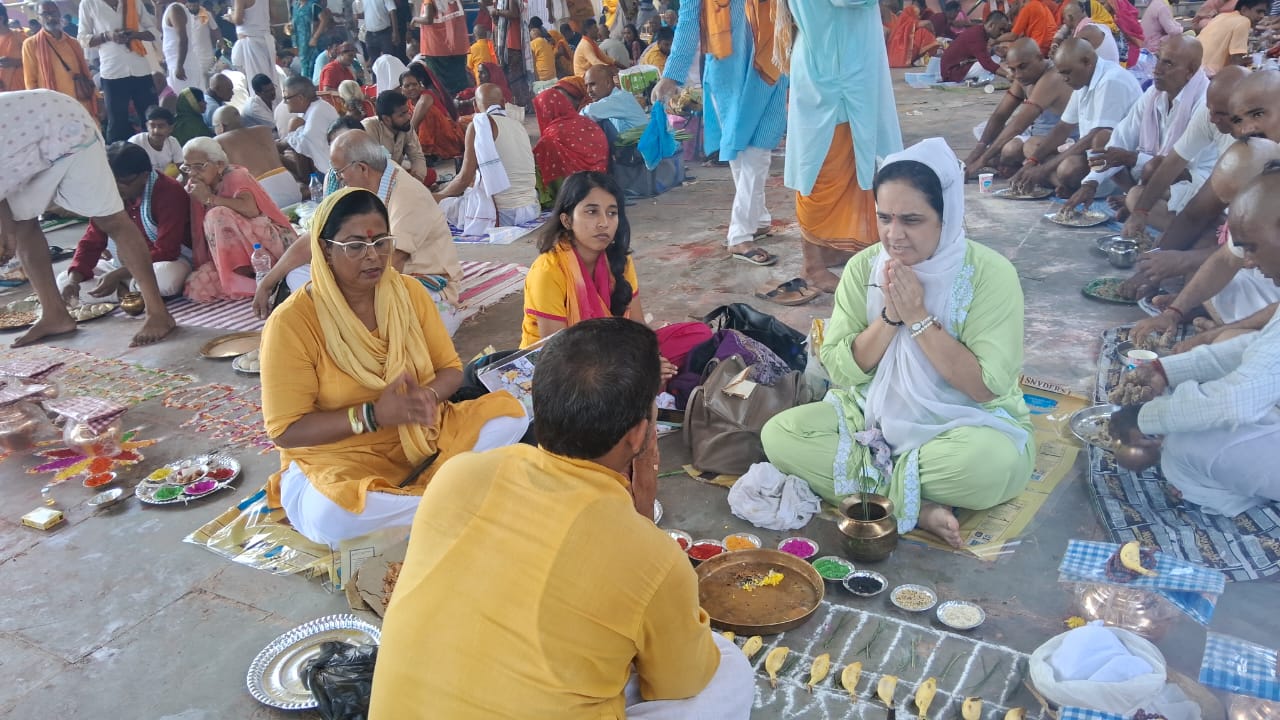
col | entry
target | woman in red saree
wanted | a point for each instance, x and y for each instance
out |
(907, 40)
(435, 118)
(569, 142)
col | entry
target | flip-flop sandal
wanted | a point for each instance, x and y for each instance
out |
(792, 292)
(56, 253)
(756, 256)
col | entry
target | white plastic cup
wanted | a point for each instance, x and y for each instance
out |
(1137, 358)
(985, 181)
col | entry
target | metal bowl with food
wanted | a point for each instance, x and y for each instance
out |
(758, 592)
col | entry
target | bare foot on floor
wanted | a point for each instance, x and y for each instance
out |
(821, 279)
(46, 328)
(940, 521)
(157, 326)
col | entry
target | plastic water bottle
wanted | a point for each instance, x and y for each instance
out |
(317, 188)
(261, 261)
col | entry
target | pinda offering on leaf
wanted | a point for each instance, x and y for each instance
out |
(818, 671)
(971, 709)
(849, 678)
(1133, 557)
(752, 646)
(773, 663)
(885, 689)
(1015, 714)
(924, 696)
(728, 635)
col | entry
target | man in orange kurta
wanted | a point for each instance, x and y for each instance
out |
(10, 55)
(1034, 19)
(51, 59)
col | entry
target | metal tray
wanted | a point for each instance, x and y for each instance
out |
(229, 346)
(1096, 289)
(275, 675)
(1084, 422)
(1088, 218)
(146, 490)
(765, 610)
(1039, 193)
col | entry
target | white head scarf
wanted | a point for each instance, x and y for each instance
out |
(908, 399)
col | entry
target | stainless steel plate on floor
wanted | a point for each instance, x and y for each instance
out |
(275, 675)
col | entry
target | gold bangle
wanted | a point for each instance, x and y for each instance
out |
(434, 394)
(357, 426)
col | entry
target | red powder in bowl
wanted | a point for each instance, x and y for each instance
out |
(684, 544)
(704, 551)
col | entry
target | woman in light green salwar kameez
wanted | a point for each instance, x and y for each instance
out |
(924, 348)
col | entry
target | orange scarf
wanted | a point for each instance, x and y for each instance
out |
(718, 33)
(582, 303)
(129, 16)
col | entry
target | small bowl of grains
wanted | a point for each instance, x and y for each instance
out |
(801, 547)
(833, 569)
(913, 598)
(865, 583)
(960, 615)
(704, 550)
(742, 541)
(682, 538)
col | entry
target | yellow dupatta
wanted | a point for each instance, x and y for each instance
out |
(374, 361)
(581, 303)
(717, 33)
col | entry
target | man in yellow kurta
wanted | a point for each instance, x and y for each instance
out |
(588, 54)
(536, 584)
(361, 413)
(481, 52)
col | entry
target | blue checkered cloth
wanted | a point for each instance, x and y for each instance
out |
(1240, 666)
(1192, 589)
(1079, 713)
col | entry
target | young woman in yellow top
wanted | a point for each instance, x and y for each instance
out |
(357, 371)
(584, 270)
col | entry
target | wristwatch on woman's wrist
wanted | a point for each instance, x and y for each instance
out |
(918, 328)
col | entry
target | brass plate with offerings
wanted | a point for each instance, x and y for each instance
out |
(758, 592)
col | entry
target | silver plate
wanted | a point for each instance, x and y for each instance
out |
(145, 490)
(1036, 194)
(942, 609)
(657, 511)
(1084, 422)
(241, 363)
(275, 675)
(1088, 218)
(893, 597)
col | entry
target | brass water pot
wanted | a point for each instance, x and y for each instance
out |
(132, 304)
(869, 527)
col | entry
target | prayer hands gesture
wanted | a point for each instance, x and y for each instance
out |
(644, 469)
(405, 401)
(903, 294)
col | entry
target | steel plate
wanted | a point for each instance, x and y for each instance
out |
(1085, 423)
(275, 675)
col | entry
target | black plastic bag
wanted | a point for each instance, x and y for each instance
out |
(785, 341)
(341, 679)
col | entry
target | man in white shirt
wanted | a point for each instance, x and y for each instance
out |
(255, 50)
(381, 32)
(258, 111)
(187, 38)
(1151, 128)
(1102, 93)
(122, 56)
(1220, 425)
(1209, 134)
(307, 138)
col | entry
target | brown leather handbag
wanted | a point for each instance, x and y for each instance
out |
(722, 427)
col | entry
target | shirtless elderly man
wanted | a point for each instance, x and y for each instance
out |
(1153, 126)
(1029, 110)
(1102, 92)
(254, 149)
(54, 152)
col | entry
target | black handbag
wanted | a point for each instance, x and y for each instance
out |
(785, 341)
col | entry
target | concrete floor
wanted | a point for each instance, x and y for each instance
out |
(111, 615)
